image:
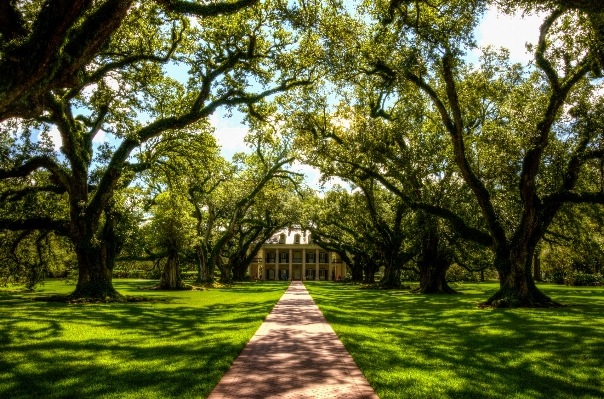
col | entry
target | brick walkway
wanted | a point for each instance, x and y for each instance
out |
(294, 354)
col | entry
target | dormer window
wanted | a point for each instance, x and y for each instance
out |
(282, 239)
(297, 239)
(309, 240)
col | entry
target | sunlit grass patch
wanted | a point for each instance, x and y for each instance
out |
(444, 346)
(179, 347)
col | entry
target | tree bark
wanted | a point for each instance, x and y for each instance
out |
(370, 267)
(239, 273)
(536, 268)
(95, 267)
(516, 285)
(356, 268)
(170, 278)
(391, 277)
(226, 275)
(433, 266)
(356, 273)
(433, 278)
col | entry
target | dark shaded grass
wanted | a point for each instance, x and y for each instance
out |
(443, 346)
(179, 347)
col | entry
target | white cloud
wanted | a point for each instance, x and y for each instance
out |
(510, 31)
(55, 137)
(336, 180)
(112, 82)
(89, 90)
(194, 23)
(230, 134)
(100, 137)
(311, 174)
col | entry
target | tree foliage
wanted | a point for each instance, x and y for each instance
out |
(123, 91)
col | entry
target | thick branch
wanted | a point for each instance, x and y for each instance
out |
(205, 10)
(36, 163)
(156, 128)
(573, 197)
(15, 195)
(61, 227)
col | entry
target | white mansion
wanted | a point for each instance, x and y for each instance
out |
(290, 255)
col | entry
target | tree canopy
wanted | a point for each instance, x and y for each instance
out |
(448, 158)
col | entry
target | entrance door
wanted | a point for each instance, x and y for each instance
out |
(297, 274)
(271, 274)
(283, 274)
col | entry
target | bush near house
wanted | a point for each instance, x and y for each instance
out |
(584, 279)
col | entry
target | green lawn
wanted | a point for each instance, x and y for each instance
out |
(443, 346)
(177, 348)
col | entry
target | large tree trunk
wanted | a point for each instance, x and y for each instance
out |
(96, 256)
(356, 268)
(226, 274)
(392, 276)
(203, 268)
(95, 267)
(537, 267)
(433, 266)
(200, 267)
(239, 269)
(226, 277)
(433, 278)
(370, 269)
(170, 278)
(516, 285)
(356, 271)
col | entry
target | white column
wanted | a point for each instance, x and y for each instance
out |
(330, 265)
(277, 265)
(317, 264)
(303, 264)
(290, 265)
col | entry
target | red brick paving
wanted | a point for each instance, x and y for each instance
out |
(294, 354)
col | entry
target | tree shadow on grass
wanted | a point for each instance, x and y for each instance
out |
(444, 347)
(173, 349)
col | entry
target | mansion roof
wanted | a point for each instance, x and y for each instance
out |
(290, 237)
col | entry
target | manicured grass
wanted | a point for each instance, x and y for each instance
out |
(443, 346)
(180, 347)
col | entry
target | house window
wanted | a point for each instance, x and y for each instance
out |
(270, 257)
(322, 274)
(282, 239)
(322, 257)
(297, 258)
(297, 239)
(283, 257)
(310, 257)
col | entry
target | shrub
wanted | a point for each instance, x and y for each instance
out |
(556, 277)
(136, 273)
(583, 279)
(457, 274)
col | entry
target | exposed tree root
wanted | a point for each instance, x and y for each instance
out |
(74, 300)
(512, 298)
(445, 290)
(379, 286)
(160, 287)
